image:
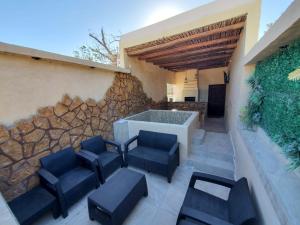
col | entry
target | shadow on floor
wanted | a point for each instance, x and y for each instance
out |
(214, 125)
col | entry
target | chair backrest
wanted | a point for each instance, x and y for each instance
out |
(95, 144)
(156, 140)
(60, 162)
(241, 209)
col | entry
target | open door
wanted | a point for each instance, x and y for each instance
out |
(216, 100)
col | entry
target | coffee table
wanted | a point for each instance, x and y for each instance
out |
(112, 202)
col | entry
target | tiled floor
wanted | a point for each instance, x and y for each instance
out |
(214, 125)
(162, 205)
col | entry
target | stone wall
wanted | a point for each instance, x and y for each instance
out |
(67, 123)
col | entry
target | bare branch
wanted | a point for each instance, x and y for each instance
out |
(105, 50)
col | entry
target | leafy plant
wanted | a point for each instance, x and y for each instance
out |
(251, 115)
(274, 100)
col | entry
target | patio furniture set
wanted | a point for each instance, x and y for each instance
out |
(66, 176)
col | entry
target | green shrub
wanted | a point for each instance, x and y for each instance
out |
(274, 101)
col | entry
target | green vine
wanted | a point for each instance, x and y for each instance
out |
(274, 101)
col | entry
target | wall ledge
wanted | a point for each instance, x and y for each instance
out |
(281, 184)
(39, 54)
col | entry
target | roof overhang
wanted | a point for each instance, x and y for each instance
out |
(205, 47)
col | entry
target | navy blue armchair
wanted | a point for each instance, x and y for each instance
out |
(69, 176)
(200, 207)
(106, 161)
(155, 152)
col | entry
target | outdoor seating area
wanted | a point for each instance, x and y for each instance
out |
(143, 197)
(68, 178)
(191, 119)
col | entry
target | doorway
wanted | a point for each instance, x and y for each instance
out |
(216, 100)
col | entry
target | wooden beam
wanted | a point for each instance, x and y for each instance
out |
(192, 52)
(200, 59)
(193, 57)
(176, 42)
(203, 63)
(220, 41)
(200, 68)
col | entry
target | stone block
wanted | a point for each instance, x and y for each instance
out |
(13, 149)
(34, 136)
(4, 134)
(41, 122)
(60, 109)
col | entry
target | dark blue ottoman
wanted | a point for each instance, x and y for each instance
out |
(34, 203)
(112, 202)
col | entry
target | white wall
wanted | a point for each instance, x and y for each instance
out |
(179, 83)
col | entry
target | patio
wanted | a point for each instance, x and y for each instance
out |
(163, 203)
(199, 88)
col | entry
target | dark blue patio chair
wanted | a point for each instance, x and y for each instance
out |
(155, 152)
(69, 176)
(107, 161)
(200, 207)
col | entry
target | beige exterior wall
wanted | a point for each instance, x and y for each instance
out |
(27, 84)
(236, 98)
(153, 78)
(208, 77)
(245, 167)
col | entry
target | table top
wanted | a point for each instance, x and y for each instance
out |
(109, 195)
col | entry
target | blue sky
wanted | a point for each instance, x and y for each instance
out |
(62, 26)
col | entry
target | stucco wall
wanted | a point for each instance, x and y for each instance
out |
(27, 84)
(208, 77)
(153, 78)
(178, 80)
(236, 99)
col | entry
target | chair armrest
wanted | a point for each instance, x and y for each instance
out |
(173, 149)
(48, 177)
(211, 179)
(113, 143)
(202, 216)
(127, 143)
(87, 159)
(92, 155)
(82, 155)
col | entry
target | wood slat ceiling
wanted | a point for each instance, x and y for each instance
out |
(206, 47)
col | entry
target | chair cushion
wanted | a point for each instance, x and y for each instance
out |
(75, 178)
(156, 140)
(240, 204)
(60, 162)
(149, 154)
(95, 144)
(110, 162)
(204, 202)
(31, 204)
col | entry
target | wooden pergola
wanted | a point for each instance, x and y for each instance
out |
(206, 47)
